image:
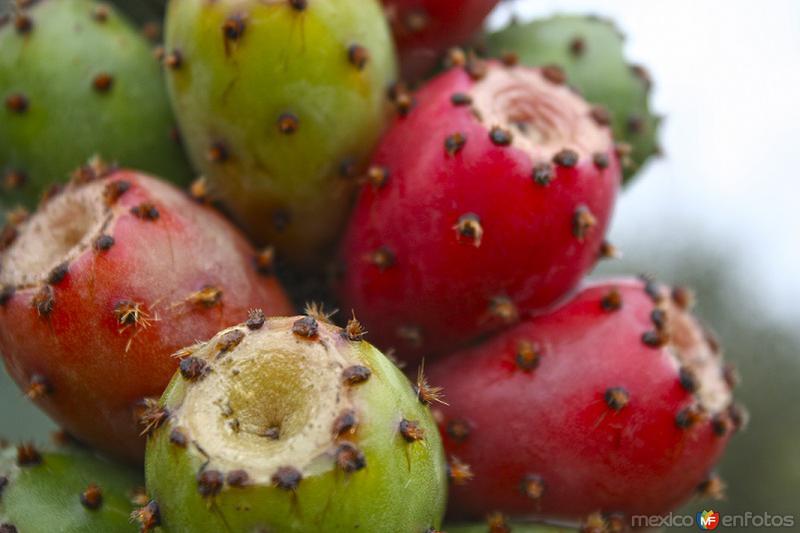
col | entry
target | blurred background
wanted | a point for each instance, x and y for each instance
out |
(717, 212)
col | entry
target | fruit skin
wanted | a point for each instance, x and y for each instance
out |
(278, 111)
(423, 29)
(118, 313)
(591, 52)
(57, 67)
(593, 408)
(46, 496)
(419, 284)
(401, 487)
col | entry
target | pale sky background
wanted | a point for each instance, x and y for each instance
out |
(727, 75)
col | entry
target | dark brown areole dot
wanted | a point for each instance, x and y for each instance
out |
(265, 261)
(238, 479)
(658, 317)
(44, 301)
(577, 46)
(454, 143)
(8, 235)
(58, 273)
(688, 380)
(28, 455)
(651, 288)
(528, 356)
(532, 486)
(17, 103)
(712, 488)
(288, 123)
(509, 59)
(654, 339)
(6, 293)
(100, 13)
(348, 168)
(601, 160)
(38, 387)
(634, 124)
(178, 438)
(458, 472)
(146, 211)
(543, 174)
(287, 478)
(476, 68)
(566, 158)
(583, 222)
(229, 341)
(255, 319)
(272, 433)
(689, 416)
(600, 115)
(346, 422)
(92, 497)
(554, 74)
(217, 152)
(411, 430)
(349, 458)
(103, 243)
(383, 258)
(149, 516)
(358, 56)
(356, 374)
(378, 176)
(469, 227)
(611, 301)
(500, 136)
(298, 5)
(616, 398)
(721, 424)
(14, 179)
(114, 190)
(233, 28)
(460, 99)
(193, 368)
(306, 327)
(354, 330)
(458, 429)
(683, 297)
(173, 60)
(23, 24)
(8, 528)
(209, 483)
(208, 296)
(152, 417)
(103, 82)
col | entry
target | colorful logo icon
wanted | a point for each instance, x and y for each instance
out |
(707, 520)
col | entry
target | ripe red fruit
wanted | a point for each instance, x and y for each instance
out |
(423, 29)
(615, 402)
(103, 284)
(489, 199)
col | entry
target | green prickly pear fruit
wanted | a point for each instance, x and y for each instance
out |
(76, 79)
(294, 425)
(590, 52)
(68, 489)
(279, 103)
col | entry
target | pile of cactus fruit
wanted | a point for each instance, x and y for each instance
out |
(192, 189)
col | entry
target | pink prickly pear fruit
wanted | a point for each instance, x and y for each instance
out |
(617, 402)
(487, 199)
(103, 283)
(423, 29)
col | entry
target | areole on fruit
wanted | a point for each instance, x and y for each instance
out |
(292, 426)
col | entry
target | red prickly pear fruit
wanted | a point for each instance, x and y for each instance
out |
(488, 200)
(103, 283)
(615, 402)
(423, 29)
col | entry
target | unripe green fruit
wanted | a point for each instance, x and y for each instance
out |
(294, 425)
(76, 79)
(69, 489)
(279, 103)
(590, 52)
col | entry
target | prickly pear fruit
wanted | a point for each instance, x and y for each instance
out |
(104, 283)
(293, 424)
(618, 402)
(76, 79)
(69, 489)
(590, 52)
(279, 103)
(423, 29)
(488, 199)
